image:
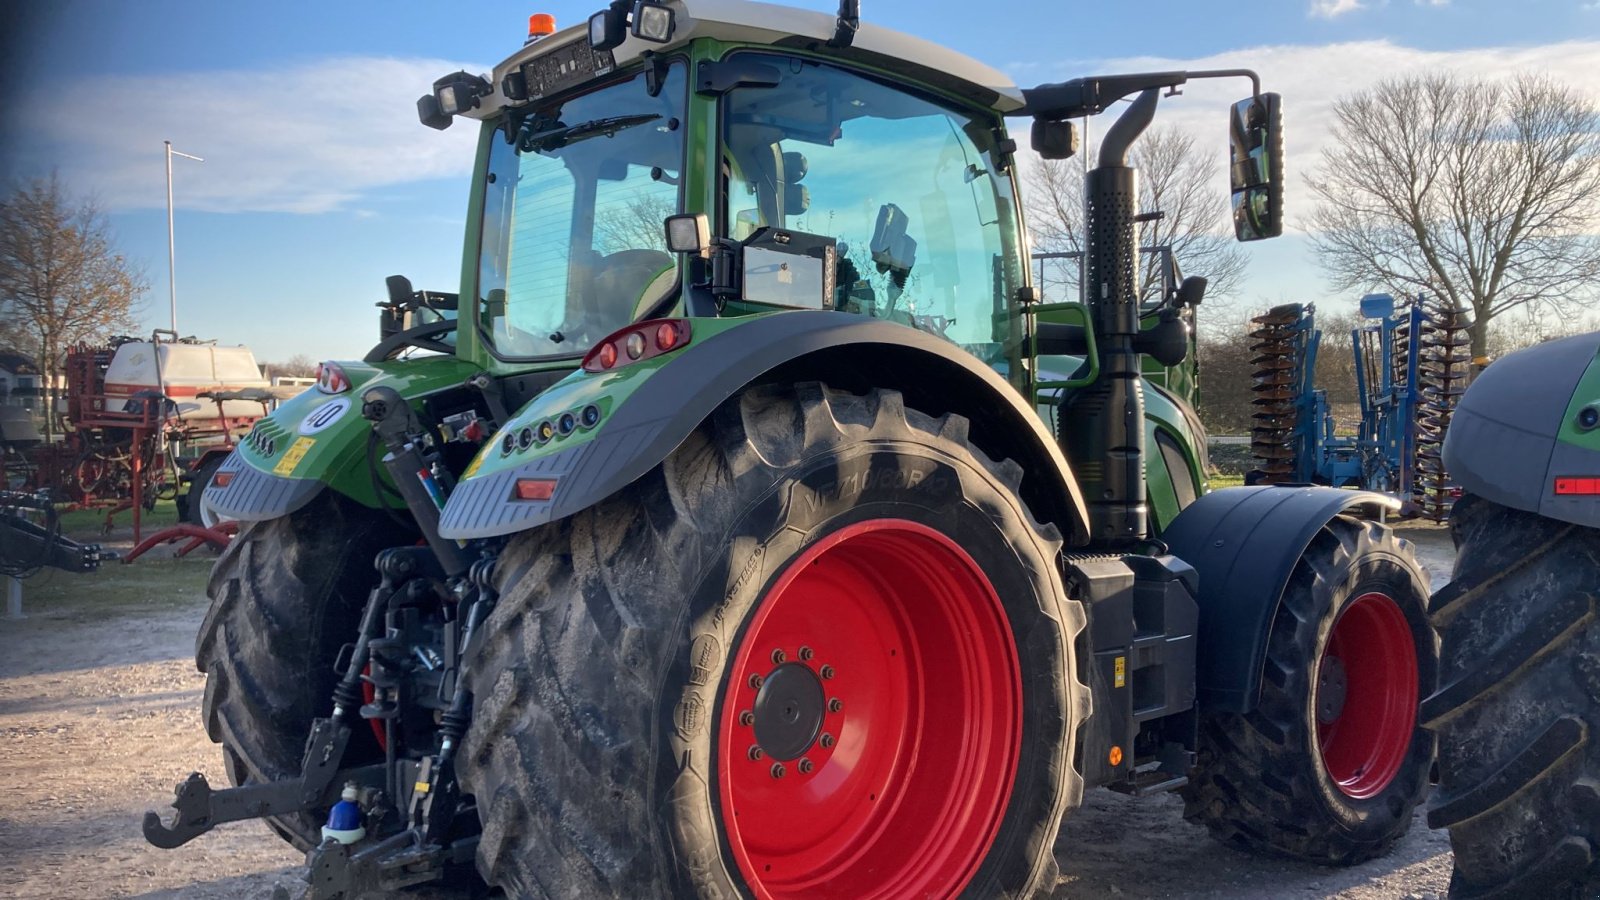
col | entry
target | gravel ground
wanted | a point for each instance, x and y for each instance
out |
(99, 715)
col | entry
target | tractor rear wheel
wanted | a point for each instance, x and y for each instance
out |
(819, 651)
(1330, 764)
(1518, 709)
(286, 594)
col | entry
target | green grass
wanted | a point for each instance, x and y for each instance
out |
(1226, 480)
(147, 582)
(88, 524)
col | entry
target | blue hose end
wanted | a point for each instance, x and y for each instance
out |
(344, 820)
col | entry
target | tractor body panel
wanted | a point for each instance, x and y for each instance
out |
(647, 413)
(318, 440)
(1244, 542)
(1516, 438)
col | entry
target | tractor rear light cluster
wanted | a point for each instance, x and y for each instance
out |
(331, 379)
(220, 480)
(639, 341)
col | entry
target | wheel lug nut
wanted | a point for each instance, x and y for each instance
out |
(826, 740)
(827, 671)
(805, 653)
(747, 718)
(805, 766)
(755, 752)
(755, 681)
(777, 770)
(778, 657)
(835, 705)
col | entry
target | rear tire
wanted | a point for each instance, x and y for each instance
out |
(610, 751)
(286, 594)
(1330, 764)
(1518, 710)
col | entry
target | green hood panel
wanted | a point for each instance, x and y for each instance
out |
(323, 438)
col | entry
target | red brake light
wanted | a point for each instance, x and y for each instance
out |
(534, 489)
(1578, 487)
(666, 336)
(331, 379)
(220, 480)
(642, 340)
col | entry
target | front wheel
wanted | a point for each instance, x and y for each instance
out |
(1330, 764)
(821, 651)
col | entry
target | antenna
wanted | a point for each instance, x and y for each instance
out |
(844, 32)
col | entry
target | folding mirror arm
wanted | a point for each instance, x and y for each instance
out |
(1095, 94)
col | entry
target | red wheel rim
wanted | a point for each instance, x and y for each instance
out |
(903, 782)
(1366, 699)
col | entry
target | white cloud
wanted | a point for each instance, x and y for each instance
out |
(308, 139)
(1329, 9)
(1433, 3)
(1311, 79)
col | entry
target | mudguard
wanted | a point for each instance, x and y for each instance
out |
(648, 410)
(316, 440)
(1518, 433)
(1245, 542)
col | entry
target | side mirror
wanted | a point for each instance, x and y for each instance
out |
(1055, 140)
(1255, 133)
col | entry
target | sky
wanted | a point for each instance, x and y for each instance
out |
(318, 181)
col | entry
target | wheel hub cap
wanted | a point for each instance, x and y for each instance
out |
(789, 711)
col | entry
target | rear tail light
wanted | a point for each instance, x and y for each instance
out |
(639, 341)
(331, 379)
(1578, 487)
(539, 489)
(220, 480)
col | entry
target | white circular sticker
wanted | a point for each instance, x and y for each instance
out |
(324, 415)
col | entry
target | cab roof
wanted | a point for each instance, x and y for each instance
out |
(784, 27)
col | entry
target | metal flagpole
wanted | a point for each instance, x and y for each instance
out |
(172, 256)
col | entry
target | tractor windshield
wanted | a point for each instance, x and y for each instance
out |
(576, 192)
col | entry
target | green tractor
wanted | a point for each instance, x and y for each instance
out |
(1517, 712)
(746, 525)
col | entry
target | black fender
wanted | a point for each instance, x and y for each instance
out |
(847, 351)
(1245, 542)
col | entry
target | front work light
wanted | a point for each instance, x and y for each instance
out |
(652, 22)
(453, 95)
(607, 28)
(688, 233)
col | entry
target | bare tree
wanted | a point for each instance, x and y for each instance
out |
(296, 366)
(1175, 180)
(61, 279)
(1484, 193)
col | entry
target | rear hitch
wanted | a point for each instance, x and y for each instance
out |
(201, 809)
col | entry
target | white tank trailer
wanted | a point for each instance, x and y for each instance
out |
(182, 371)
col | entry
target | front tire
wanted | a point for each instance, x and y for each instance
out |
(827, 583)
(1518, 710)
(1330, 764)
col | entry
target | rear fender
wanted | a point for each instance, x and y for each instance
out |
(1516, 435)
(315, 440)
(649, 408)
(1245, 543)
